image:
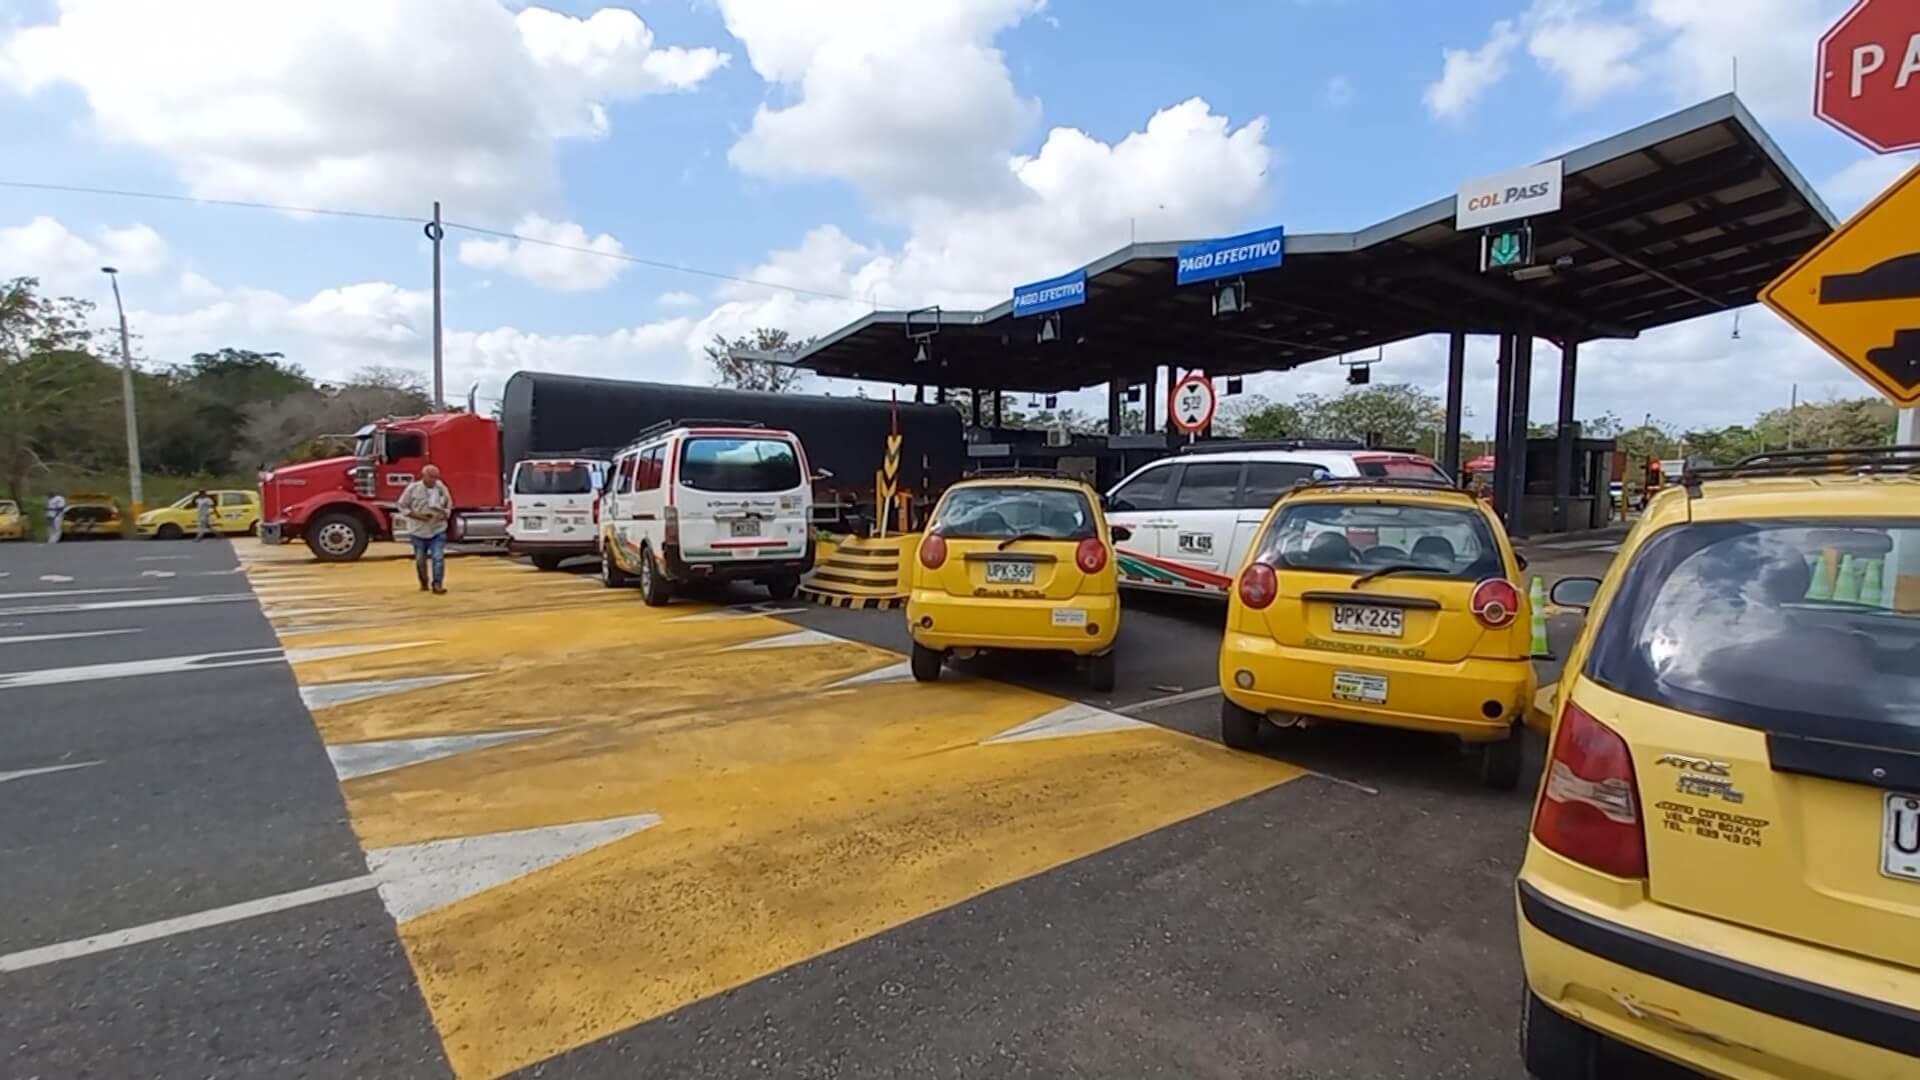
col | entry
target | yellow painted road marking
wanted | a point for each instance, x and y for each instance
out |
(796, 816)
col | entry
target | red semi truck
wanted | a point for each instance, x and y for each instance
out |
(339, 505)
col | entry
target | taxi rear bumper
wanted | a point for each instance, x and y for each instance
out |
(1083, 625)
(1476, 699)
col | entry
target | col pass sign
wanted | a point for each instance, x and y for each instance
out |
(1858, 293)
(1509, 196)
(1867, 80)
(1190, 406)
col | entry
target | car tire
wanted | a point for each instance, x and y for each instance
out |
(337, 537)
(548, 562)
(1100, 672)
(169, 532)
(611, 575)
(655, 590)
(1240, 728)
(926, 663)
(1500, 762)
(1553, 1047)
(783, 588)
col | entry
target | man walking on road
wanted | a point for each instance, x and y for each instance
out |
(56, 516)
(426, 505)
(202, 514)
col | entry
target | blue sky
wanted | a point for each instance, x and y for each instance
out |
(904, 154)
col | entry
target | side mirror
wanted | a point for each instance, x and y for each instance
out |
(1575, 592)
(1520, 559)
(1120, 533)
(823, 474)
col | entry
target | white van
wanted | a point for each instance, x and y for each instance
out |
(708, 501)
(553, 508)
(1193, 515)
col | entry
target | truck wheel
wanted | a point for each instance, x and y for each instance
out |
(337, 537)
(1500, 762)
(1555, 1048)
(168, 532)
(1100, 671)
(655, 589)
(548, 562)
(926, 663)
(783, 588)
(1240, 728)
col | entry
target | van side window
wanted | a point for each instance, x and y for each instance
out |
(234, 498)
(1268, 480)
(649, 475)
(1148, 491)
(1210, 485)
(623, 476)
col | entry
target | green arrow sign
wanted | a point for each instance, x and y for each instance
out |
(1506, 250)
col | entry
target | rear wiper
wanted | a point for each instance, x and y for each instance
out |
(1398, 568)
(1025, 536)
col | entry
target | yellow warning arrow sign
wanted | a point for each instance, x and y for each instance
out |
(1858, 293)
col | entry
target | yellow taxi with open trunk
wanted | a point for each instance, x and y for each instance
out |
(1724, 863)
(1016, 561)
(1381, 601)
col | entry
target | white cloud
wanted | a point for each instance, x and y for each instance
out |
(1592, 55)
(1338, 93)
(677, 298)
(313, 102)
(900, 99)
(1861, 181)
(578, 262)
(69, 264)
(1466, 74)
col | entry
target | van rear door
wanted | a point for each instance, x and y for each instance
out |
(553, 501)
(741, 494)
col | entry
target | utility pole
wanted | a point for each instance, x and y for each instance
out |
(435, 233)
(126, 395)
(1793, 407)
(1905, 435)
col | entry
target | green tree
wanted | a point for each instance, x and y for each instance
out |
(1848, 422)
(55, 396)
(1272, 420)
(741, 373)
(1393, 414)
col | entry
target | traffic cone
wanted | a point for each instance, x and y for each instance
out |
(1821, 588)
(1537, 600)
(1870, 585)
(1846, 588)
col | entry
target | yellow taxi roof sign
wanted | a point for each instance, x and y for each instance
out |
(1858, 293)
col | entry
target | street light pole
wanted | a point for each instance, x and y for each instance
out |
(126, 396)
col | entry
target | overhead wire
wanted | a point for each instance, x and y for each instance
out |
(195, 199)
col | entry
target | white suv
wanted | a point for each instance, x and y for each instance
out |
(1193, 514)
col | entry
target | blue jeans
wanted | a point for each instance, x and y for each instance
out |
(432, 548)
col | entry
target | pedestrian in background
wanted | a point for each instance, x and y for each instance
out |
(202, 514)
(56, 516)
(427, 504)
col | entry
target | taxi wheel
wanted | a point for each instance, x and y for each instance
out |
(1100, 671)
(783, 588)
(548, 562)
(1555, 1048)
(168, 532)
(610, 574)
(654, 587)
(1500, 762)
(1240, 728)
(926, 663)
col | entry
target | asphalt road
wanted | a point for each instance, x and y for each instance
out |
(1357, 922)
(198, 785)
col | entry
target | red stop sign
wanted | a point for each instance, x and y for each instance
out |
(1868, 78)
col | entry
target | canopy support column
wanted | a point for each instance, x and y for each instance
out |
(1502, 420)
(1116, 397)
(997, 394)
(1564, 436)
(976, 406)
(1456, 370)
(1522, 395)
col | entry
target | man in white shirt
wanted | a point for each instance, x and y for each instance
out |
(202, 514)
(425, 506)
(56, 516)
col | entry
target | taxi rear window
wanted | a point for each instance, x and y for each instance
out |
(553, 478)
(1000, 512)
(1359, 537)
(1798, 628)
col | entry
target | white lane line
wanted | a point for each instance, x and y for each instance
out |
(55, 578)
(22, 639)
(354, 760)
(899, 672)
(789, 641)
(215, 573)
(1075, 719)
(43, 770)
(337, 652)
(1343, 782)
(1139, 707)
(121, 605)
(153, 931)
(126, 669)
(162, 558)
(156, 573)
(76, 592)
(327, 695)
(305, 613)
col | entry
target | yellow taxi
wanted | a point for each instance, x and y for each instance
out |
(1016, 561)
(90, 514)
(235, 512)
(1381, 601)
(1724, 864)
(13, 524)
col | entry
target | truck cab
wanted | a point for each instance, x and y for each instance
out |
(339, 505)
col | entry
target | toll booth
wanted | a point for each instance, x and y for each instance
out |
(1589, 500)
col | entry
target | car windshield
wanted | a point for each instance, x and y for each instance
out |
(1362, 537)
(553, 478)
(1808, 628)
(739, 463)
(1002, 512)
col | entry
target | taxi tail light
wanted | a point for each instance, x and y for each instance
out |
(1091, 555)
(1588, 810)
(1259, 585)
(670, 530)
(509, 512)
(596, 511)
(933, 551)
(1496, 602)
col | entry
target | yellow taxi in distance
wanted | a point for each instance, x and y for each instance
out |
(90, 514)
(235, 512)
(1381, 601)
(13, 524)
(1724, 863)
(1016, 562)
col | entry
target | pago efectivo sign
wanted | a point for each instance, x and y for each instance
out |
(1509, 196)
